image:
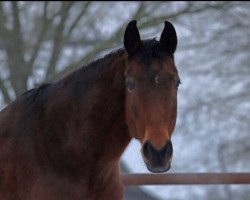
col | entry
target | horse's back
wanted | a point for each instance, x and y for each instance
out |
(13, 116)
(23, 133)
(17, 150)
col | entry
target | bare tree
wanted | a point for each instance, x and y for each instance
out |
(42, 41)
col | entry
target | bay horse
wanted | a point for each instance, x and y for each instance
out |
(63, 140)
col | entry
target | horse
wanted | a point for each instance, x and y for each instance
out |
(63, 140)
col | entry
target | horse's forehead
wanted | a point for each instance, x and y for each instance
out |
(136, 66)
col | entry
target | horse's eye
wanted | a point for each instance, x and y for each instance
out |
(177, 83)
(130, 85)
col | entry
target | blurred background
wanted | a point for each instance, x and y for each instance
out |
(43, 41)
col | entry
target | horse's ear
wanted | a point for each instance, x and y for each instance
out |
(132, 40)
(168, 40)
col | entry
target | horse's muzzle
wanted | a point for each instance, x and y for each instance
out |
(157, 161)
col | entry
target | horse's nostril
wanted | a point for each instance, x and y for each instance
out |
(146, 150)
(150, 152)
(167, 150)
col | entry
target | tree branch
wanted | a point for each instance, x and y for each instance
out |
(16, 32)
(74, 24)
(15, 53)
(58, 40)
(4, 91)
(4, 33)
(45, 24)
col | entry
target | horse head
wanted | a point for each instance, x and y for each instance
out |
(151, 98)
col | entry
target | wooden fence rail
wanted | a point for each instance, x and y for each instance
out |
(186, 178)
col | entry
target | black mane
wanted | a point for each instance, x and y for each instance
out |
(80, 80)
(83, 79)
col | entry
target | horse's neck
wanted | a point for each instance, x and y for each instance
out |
(97, 133)
(104, 111)
(103, 135)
